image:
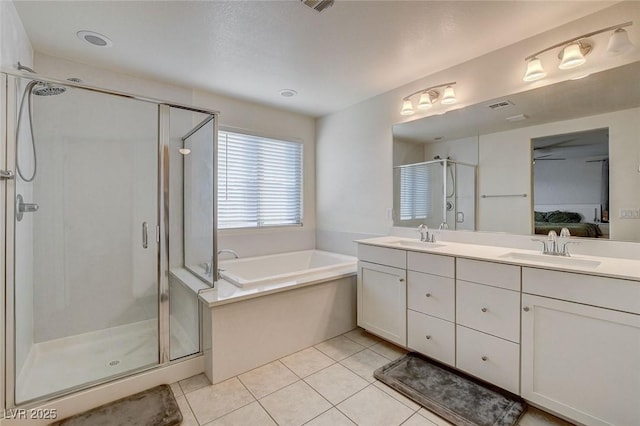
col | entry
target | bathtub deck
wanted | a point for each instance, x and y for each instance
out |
(225, 292)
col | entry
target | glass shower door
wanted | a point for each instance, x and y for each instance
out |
(86, 255)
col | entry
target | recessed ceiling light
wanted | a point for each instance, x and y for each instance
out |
(288, 93)
(94, 38)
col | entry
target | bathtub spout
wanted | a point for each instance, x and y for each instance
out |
(233, 252)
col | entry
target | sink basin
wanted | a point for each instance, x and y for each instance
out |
(553, 260)
(415, 244)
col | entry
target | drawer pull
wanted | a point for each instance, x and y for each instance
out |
(428, 295)
(428, 337)
(526, 309)
(484, 357)
(484, 309)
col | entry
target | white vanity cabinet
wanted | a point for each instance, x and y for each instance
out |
(580, 351)
(431, 305)
(488, 321)
(382, 292)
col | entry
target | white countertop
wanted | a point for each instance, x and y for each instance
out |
(608, 266)
(225, 292)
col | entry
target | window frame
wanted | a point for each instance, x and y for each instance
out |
(258, 228)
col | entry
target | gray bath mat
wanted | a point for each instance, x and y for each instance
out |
(153, 407)
(462, 400)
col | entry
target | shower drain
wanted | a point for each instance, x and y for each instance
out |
(113, 363)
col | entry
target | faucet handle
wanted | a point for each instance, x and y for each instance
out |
(552, 236)
(565, 250)
(424, 232)
(544, 245)
(564, 233)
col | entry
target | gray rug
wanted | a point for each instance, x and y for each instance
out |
(153, 407)
(458, 398)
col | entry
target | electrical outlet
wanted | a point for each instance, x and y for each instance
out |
(389, 213)
(629, 214)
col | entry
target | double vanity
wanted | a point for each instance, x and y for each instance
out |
(562, 332)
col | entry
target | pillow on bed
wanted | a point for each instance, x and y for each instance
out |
(563, 217)
(540, 216)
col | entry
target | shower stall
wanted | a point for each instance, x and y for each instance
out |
(97, 187)
(439, 193)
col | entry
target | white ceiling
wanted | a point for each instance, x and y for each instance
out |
(253, 49)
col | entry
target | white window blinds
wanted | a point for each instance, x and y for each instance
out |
(415, 192)
(259, 181)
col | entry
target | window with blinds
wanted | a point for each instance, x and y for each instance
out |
(415, 192)
(259, 181)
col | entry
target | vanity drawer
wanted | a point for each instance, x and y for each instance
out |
(489, 358)
(612, 293)
(431, 336)
(489, 309)
(431, 294)
(489, 273)
(382, 256)
(431, 264)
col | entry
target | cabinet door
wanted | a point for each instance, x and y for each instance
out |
(382, 301)
(581, 361)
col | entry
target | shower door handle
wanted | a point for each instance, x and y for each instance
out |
(145, 235)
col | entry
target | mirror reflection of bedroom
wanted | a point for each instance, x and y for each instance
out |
(571, 183)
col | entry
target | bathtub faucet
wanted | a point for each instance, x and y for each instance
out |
(233, 252)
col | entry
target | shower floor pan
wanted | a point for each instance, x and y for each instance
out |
(57, 365)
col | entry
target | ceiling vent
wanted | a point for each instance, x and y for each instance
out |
(500, 105)
(318, 5)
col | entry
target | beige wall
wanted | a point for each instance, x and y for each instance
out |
(354, 146)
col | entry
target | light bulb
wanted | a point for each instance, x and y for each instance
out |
(449, 96)
(407, 108)
(619, 43)
(534, 70)
(572, 57)
(425, 101)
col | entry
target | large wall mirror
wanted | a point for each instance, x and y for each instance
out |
(567, 153)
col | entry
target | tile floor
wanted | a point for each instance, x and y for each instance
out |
(329, 384)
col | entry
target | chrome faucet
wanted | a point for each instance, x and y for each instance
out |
(233, 252)
(424, 234)
(230, 251)
(554, 245)
(208, 266)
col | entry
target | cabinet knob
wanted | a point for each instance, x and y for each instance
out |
(526, 309)
(428, 337)
(401, 280)
(428, 295)
(484, 357)
(484, 309)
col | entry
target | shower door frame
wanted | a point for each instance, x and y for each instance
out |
(9, 81)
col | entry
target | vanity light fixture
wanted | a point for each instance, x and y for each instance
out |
(574, 50)
(428, 97)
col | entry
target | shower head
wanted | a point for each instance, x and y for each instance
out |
(46, 89)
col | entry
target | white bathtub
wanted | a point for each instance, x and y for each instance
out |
(285, 267)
